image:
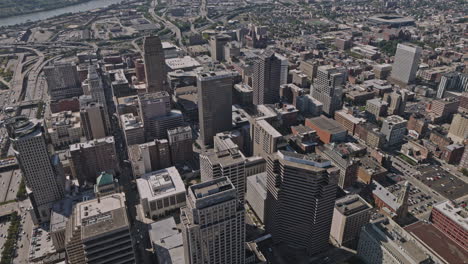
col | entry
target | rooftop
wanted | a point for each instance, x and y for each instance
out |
(385, 195)
(327, 124)
(92, 143)
(310, 159)
(186, 62)
(396, 240)
(351, 204)
(438, 242)
(211, 188)
(455, 213)
(101, 215)
(167, 241)
(158, 184)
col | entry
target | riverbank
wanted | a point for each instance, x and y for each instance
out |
(83, 6)
(11, 8)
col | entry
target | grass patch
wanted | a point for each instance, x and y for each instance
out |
(7, 202)
(40, 108)
(407, 159)
(21, 194)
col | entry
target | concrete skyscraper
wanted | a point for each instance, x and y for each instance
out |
(217, 43)
(301, 191)
(214, 104)
(266, 78)
(94, 87)
(98, 231)
(62, 81)
(406, 64)
(155, 65)
(213, 224)
(89, 159)
(328, 87)
(40, 171)
(155, 111)
(93, 121)
(225, 159)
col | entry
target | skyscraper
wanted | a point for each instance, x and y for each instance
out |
(94, 87)
(453, 81)
(155, 65)
(351, 213)
(39, 169)
(180, 143)
(214, 104)
(99, 232)
(157, 116)
(93, 121)
(328, 87)
(89, 159)
(62, 81)
(217, 43)
(301, 192)
(266, 78)
(406, 64)
(213, 224)
(224, 160)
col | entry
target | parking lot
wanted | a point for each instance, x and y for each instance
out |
(9, 184)
(41, 243)
(419, 202)
(443, 182)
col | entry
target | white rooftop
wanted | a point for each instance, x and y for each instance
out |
(161, 183)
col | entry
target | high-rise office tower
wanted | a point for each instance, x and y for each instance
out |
(98, 231)
(225, 159)
(453, 81)
(180, 143)
(94, 87)
(62, 81)
(214, 104)
(93, 121)
(284, 69)
(155, 64)
(351, 213)
(328, 87)
(40, 170)
(217, 43)
(213, 224)
(266, 78)
(157, 116)
(89, 159)
(301, 192)
(406, 64)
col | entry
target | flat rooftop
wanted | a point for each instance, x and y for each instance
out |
(186, 62)
(390, 236)
(438, 242)
(457, 214)
(99, 216)
(310, 159)
(327, 124)
(159, 184)
(211, 187)
(351, 204)
(167, 241)
(92, 143)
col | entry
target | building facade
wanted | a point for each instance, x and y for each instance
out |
(213, 223)
(301, 192)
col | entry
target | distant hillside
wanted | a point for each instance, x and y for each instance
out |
(18, 7)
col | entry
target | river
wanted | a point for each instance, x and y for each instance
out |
(93, 4)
